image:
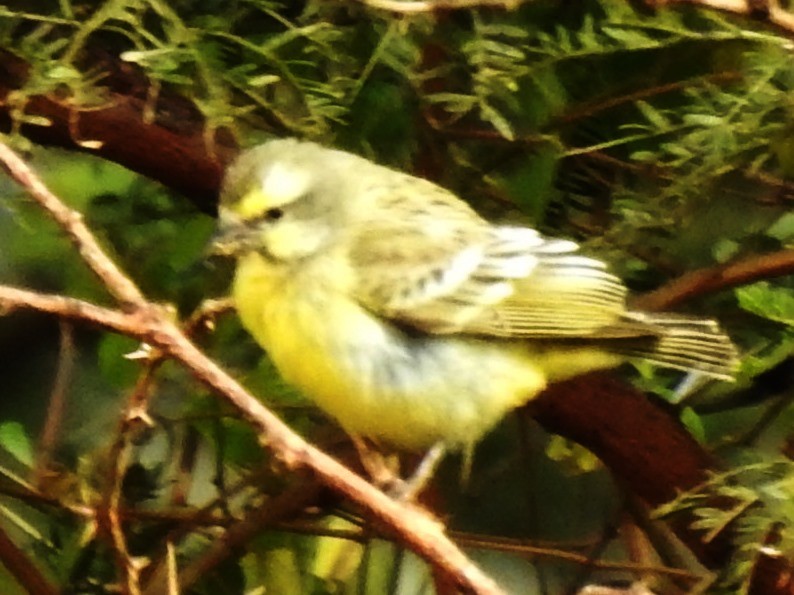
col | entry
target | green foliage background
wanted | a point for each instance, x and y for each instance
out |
(662, 140)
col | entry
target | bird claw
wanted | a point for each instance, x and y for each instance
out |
(385, 472)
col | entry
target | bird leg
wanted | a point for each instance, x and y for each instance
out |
(692, 383)
(423, 473)
(385, 469)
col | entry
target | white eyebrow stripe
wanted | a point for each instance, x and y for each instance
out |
(282, 184)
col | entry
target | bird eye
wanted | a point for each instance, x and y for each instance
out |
(273, 214)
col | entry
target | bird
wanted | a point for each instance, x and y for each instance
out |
(409, 318)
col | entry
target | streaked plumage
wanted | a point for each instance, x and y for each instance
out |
(407, 316)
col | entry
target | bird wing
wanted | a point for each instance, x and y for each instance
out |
(565, 295)
(445, 270)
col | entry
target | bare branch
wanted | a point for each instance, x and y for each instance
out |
(286, 504)
(422, 6)
(71, 221)
(22, 568)
(13, 298)
(718, 278)
(765, 11)
(57, 405)
(133, 418)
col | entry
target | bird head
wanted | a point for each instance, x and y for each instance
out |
(282, 200)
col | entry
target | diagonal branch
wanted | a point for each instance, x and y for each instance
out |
(411, 7)
(763, 10)
(22, 569)
(50, 433)
(14, 298)
(714, 279)
(120, 286)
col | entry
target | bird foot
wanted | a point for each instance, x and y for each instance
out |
(384, 470)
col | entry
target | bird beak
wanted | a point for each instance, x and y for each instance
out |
(228, 241)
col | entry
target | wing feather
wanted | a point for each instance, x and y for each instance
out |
(446, 270)
(566, 295)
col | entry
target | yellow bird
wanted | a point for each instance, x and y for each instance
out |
(409, 318)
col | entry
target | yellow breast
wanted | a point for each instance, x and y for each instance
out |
(409, 390)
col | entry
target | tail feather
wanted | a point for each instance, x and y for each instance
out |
(683, 343)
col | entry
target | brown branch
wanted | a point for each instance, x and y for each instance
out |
(149, 323)
(13, 298)
(718, 278)
(771, 573)
(592, 109)
(57, 405)
(170, 148)
(638, 439)
(275, 513)
(771, 13)
(205, 517)
(410, 7)
(287, 504)
(20, 566)
(132, 419)
(279, 518)
(109, 519)
(521, 547)
(637, 588)
(71, 222)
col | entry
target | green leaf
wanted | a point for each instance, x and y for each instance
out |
(114, 362)
(725, 249)
(703, 120)
(499, 122)
(767, 301)
(694, 424)
(531, 184)
(653, 115)
(643, 156)
(783, 228)
(14, 439)
(628, 37)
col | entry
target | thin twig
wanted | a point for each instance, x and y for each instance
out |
(57, 405)
(424, 6)
(718, 278)
(520, 547)
(770, 415)
(14, 298)
(205, 315)
(771, 13)
(173, 578)
(71, 222)
(19, 565)
(289, 503)
(133, 417)
(593, 109)
(129, 567)
(205, 517)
